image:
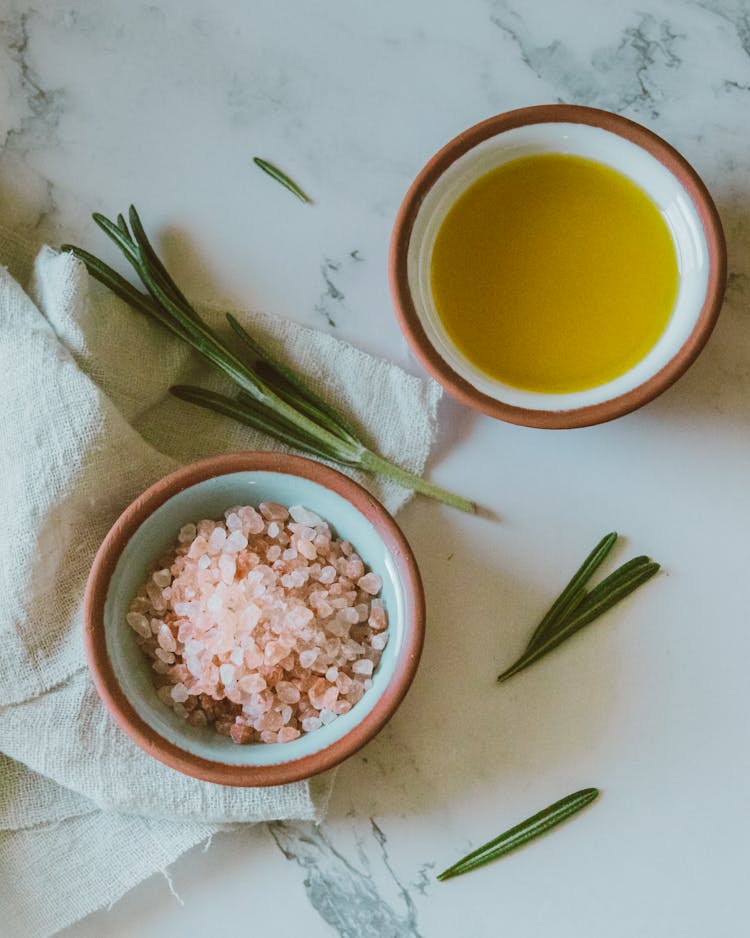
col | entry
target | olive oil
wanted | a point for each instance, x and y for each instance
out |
(554, 273)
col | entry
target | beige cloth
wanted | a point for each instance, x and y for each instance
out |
(86, 424)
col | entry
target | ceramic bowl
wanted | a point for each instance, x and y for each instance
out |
(637, 153)
(149, 526)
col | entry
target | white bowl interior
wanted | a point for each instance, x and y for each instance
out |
(674, 203)
(209, 499)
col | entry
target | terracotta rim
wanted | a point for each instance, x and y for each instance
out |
(222, 773)
(457, 386)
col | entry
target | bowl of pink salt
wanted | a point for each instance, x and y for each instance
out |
(253, 619)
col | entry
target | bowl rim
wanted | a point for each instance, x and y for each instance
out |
(588, 415)
(222, 773)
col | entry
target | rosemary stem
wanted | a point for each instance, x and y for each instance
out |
(380, 466)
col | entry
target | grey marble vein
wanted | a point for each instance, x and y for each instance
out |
(343, 895)
(331, 298)
(736, 13)
(623, 75)
(44, 105)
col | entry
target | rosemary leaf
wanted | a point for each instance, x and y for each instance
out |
(580, 578)
(246, 409)
(522, 833)
(584, 610)
(292, 388)
(275, 173)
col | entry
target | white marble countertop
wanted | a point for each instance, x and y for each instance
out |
(164, 104)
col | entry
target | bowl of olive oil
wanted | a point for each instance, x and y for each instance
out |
(557, 266)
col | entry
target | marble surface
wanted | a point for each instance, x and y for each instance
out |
(164, 104)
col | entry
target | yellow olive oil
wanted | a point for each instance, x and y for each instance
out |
(554, 273)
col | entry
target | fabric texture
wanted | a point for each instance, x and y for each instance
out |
(86, 425)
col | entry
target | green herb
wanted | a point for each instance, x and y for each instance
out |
(522, 833)
(271, 397)
(576, 606)
(275, 173)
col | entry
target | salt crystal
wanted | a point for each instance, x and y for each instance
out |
(274, 651)
(290, 554)
(227, 568)
(371, 583)
(317, 692)
(165, 638)
(215, 602)
(327, 716)
(187, 534)
(216, 541)
(226, 673)
(156, 597)
(198, 548)
(204, 561)
(274, 529)
(164, 693)
(162, 578)
(252, 683)
(332, 674)
(354, 568)
(166, 656)
(179, 693)
(310, 724)
(307, 657)
(241, 734)
(379, 641)
(235, 542)
(274, 553)
(327, 574)
(287, 734)
(362, 666)
(234, 522)
(329, 698)
(272, 511)
(305, 516)
(139, 622)
(287, 692)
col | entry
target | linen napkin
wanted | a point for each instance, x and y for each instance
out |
(86, 424)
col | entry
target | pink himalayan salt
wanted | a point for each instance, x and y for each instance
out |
(261, 626)
(371, 583)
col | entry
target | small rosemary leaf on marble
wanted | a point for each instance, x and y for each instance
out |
(275, 173)
(522, 833)
(577, 607)
(580, 578)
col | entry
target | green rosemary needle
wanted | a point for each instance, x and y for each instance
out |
(522, 833)
(275, 173)
(576, 606)
(270, 396)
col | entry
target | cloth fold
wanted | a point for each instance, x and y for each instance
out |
(87, 424)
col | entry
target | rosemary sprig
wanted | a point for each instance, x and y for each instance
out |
(522, 833)
(275, 173)
(271, 397)
(576, 606)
